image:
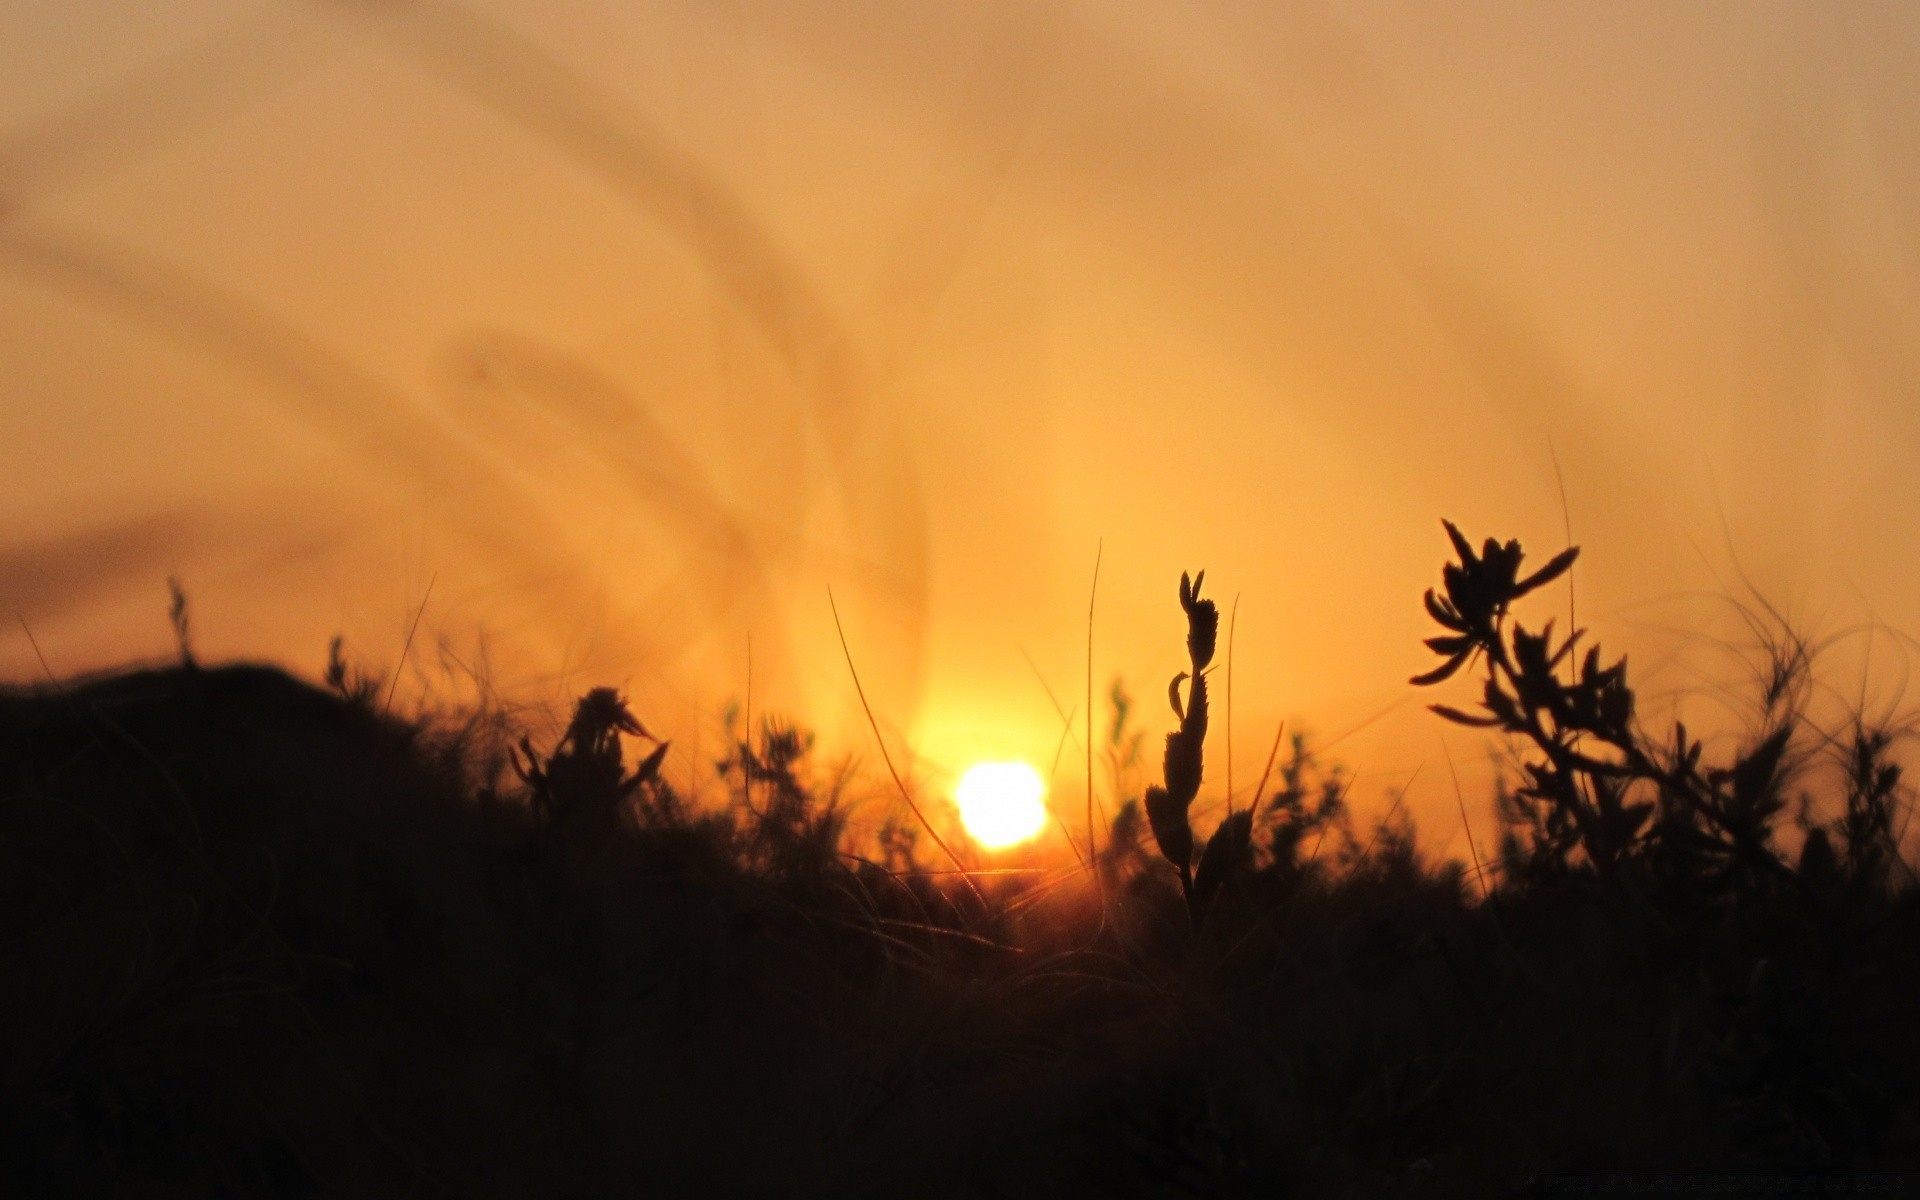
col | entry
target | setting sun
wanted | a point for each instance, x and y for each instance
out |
(1000, 803)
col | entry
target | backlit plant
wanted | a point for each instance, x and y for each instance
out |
(1182, 768)
(1600, 785)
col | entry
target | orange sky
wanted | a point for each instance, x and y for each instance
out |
(631, 329)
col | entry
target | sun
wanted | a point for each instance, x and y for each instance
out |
(1001, 803)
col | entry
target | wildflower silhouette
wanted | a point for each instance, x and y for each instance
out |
(1704, 825)
(585, 777)
(1182, 768)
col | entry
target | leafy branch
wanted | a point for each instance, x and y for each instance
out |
(1598, 786)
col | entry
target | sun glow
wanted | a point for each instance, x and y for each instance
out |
(1001, 803)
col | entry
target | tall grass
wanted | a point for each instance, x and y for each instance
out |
(267, 938)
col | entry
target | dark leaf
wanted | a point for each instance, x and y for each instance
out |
(1530, 653)
(1461, 718)
(1194, 724)
(1755, 776)
(1616, 707)
(1168, 819)
(1444, 671)
(1686, 753)
(1500, 704)
(1555, 568)
(1182, 767)
(1818, 863)
(649, 767)
(1461, 545)
(1504, 566)
(1636, 815)
(1226, 850)
(526, 764)
(1599, 766)
(1203, 631)
(1444, 613)
(1566, 647)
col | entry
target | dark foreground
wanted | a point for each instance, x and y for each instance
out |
(260, 939)
(263, 941)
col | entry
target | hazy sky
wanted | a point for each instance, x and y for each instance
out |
(630, 329)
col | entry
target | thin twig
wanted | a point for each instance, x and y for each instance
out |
(887, 758)
(1380, 828)
(1323, 747)
(1053, 772)
(35, 643)
(1292, 902)
(1233, 622)
(1060, 747)
(1058, 709)
(1326, 825)
(1460, 798)
(746, 757)
(1093, 845)
(411, 630)
(1260, 789)
(1566, 524)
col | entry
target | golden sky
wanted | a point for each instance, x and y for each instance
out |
(630, 329)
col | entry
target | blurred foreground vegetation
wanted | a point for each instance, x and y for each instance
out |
(263, 938)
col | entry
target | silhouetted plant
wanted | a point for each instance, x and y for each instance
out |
(300, 890)
(585, 779)
(1126, 839)
(357, 687)
(180, 617)
(1870, 845)
(1167, 806)
(1124, 742)
(1598, 786)
(1309, 803)
(794, 828)
(899, 844)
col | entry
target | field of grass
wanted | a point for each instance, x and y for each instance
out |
(263, 938)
